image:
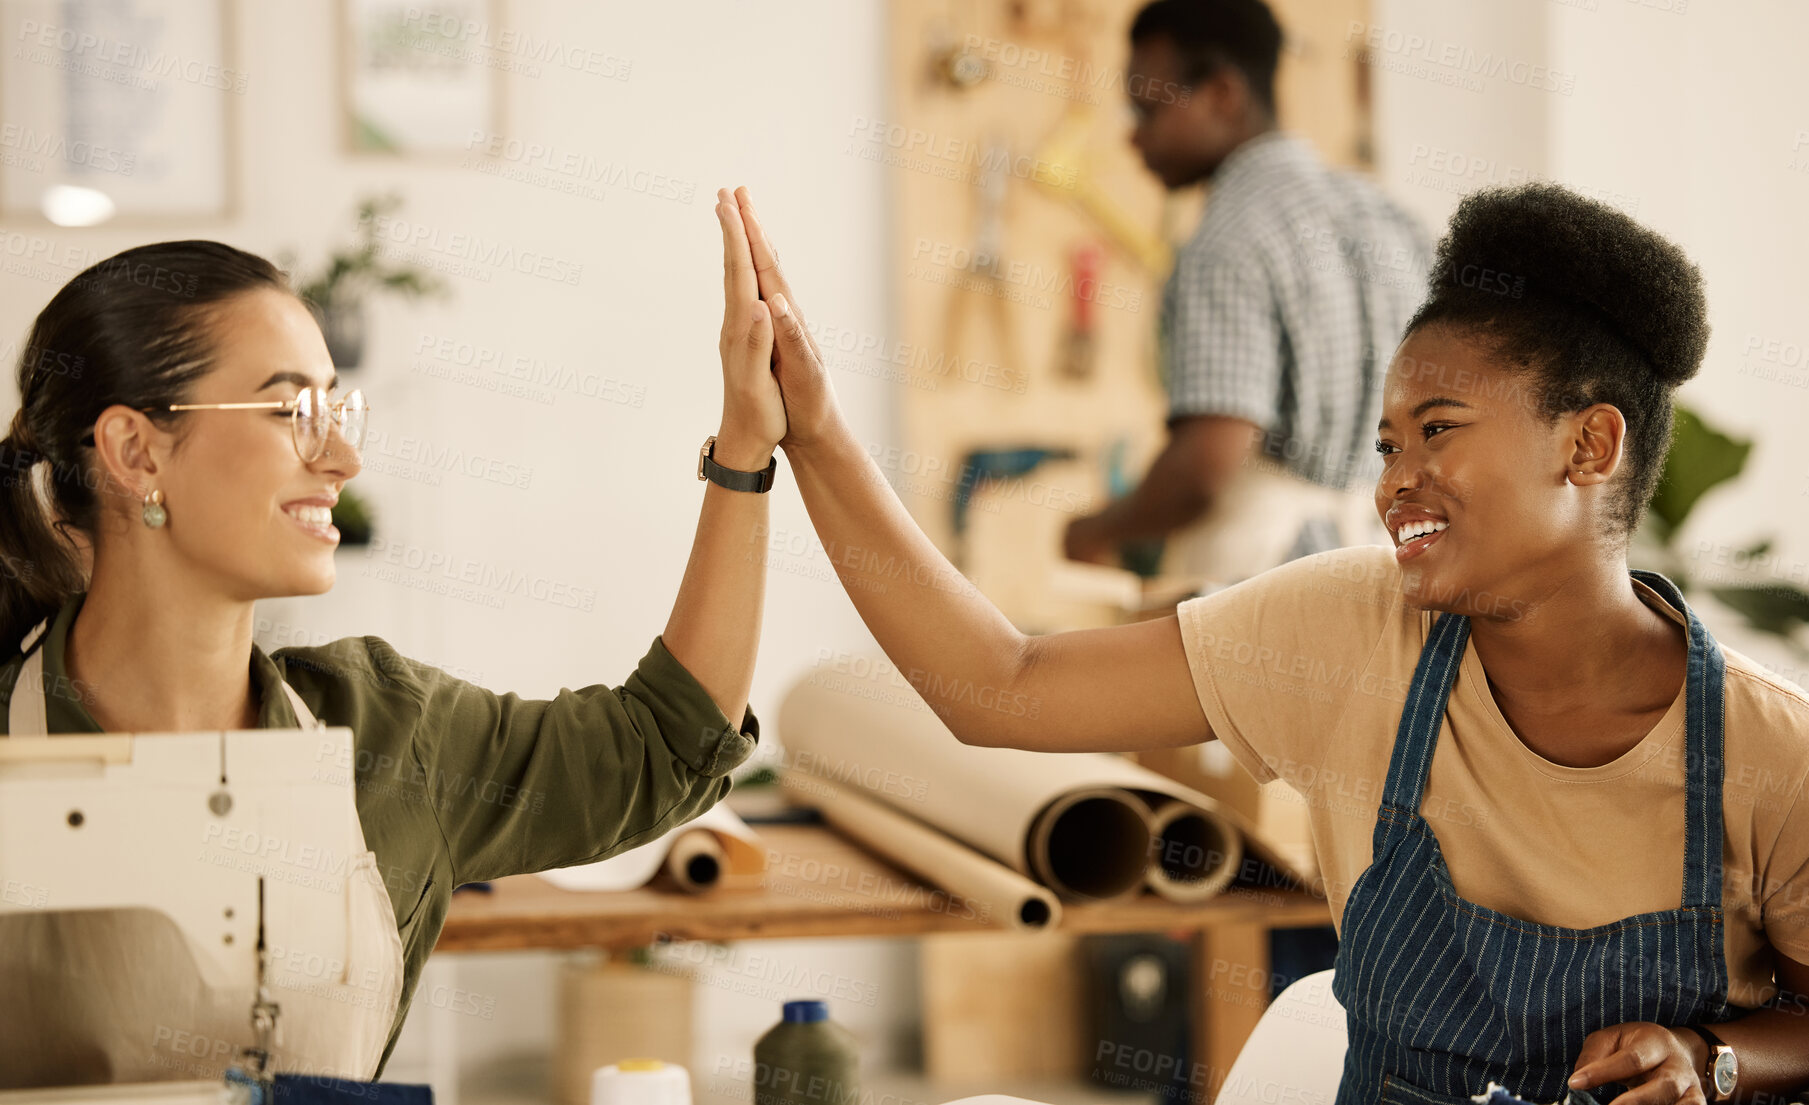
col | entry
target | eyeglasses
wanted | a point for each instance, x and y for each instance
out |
(312, 414)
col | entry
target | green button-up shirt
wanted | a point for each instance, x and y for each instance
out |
(457, 784)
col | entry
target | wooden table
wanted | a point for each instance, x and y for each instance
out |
(819, 884)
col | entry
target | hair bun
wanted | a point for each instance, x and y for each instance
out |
(1550, 242)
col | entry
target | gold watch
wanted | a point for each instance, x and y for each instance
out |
(707, 469)
(1722, 1071)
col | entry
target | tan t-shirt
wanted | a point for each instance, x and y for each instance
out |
(1303, 671)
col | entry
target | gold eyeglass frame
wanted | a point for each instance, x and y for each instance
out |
(293, 406)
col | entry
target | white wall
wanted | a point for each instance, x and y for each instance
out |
(719, 93)
(716, 96)
(1696, 121)
(1693, 117)
(1703, 115)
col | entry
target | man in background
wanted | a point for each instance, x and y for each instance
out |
(1277, 322)
(1277, 326)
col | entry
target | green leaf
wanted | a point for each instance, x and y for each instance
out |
(1701, 457)
(1777, 608)
(353, 518)
(353, 271)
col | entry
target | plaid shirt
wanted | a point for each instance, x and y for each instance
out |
(1286, 305)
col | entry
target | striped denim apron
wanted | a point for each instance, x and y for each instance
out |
(1444, 996)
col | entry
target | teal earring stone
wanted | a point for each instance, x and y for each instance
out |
(154, 514)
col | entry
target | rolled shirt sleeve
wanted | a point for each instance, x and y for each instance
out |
(1224, 340)
(524, 785)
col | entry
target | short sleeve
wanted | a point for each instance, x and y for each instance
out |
(1225, 340)
(1784, 904)
(521, 785)
(1276, 657)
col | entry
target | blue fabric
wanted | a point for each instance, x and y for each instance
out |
(307, 1089)
(1444, 996)
(298, 1089)
(1295, 953)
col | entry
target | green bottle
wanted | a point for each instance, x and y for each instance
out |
(806, 1059)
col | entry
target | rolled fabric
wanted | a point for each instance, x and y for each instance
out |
(996, 891)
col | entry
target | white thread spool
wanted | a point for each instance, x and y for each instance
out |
(640, 1082)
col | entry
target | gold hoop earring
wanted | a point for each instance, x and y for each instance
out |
(154, 514)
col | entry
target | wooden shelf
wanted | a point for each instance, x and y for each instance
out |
(817, 885)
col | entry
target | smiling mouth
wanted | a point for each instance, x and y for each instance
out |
(1413, 547)
(317, 520)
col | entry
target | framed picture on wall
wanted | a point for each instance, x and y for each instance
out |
(117, 111)
(418, 76)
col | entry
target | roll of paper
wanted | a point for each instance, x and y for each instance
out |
(738, 854)
(996, 892)
(1084, 824)
(1194, 855)
(696, 861)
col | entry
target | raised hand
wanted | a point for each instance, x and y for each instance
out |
(753, 409)
(810, 404)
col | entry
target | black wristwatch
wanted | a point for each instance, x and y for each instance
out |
(708, 469)
(1722, 1071)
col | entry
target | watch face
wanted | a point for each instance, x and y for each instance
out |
(1726, 1071)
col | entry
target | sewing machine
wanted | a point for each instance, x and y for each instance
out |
(162, 898)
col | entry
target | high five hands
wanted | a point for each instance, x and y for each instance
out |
(773, 375)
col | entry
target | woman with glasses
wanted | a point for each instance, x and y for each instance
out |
(1563, 832)
(176, 455)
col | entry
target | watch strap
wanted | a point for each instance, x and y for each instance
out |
(1716, 1044)
(732, 478)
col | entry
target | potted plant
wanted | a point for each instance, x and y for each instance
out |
(1703, 458)
(352, 517)
(337, 293)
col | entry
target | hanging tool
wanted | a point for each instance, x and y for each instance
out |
(952, 60)
(981, 468)
(1064, 171)
(1078, 350)
(983, 274)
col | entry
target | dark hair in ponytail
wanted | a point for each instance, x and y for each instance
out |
(134, 329)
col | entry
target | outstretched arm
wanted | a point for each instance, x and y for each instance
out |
(714, 629)
(1119, 688)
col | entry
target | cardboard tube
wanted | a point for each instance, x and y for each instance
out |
(1192, 856)
(995, 890)
(1091, 843)
(1067, 820)
(715, 836)
(696, 861)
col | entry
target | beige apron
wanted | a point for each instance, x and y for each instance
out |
(1259, 519)
(114, 995)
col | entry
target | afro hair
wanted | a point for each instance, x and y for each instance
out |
(1599, 308)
